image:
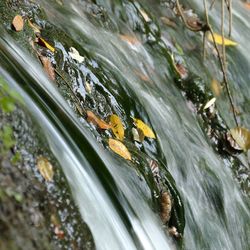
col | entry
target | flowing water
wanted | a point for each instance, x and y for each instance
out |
(111, 200)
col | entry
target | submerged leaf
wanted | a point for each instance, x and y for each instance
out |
(117, 126)
(216, 88)
(75, 55)
(147, 131)
(247, 6)
(242, 137)
(209, 103)
(119, 148)
(130, 39)
(219, 40)
(18, 23)
(45, 168)
(166, 206)
(47, 65)
(91, 117)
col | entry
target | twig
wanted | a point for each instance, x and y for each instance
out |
(204, 29)
(225, 80)
(184, 19)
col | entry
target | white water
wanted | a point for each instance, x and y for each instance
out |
(194, 165)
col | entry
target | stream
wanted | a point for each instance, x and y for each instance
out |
(128, 69)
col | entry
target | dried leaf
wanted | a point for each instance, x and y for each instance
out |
(46, 44)
(119, 148)
(144, 15)
(167, 21)
(75, 55)
(247, 6)
(218, 40)
(232, 142)
(180, 68)
(173, 232)
(59, 233)
(216, 88)
(194, 22)
(47, 65)
(147, 131)
(182, 71)
(138, 135)
(36, 28)
(130, 39)
(209, 103)
(142, 76)
(117, 127)
(18, 23)
(45, 168)
(166, 206)
(242, 137)
(91, 117)
(154, 168)
(88, 87)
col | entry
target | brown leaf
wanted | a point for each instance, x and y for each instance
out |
(182, 71)
(173, 232)
(130, 39)
(119, 148)
(18, 23)
(166, 206)
(168, 22)
(91, 117)
(247, 6)
(59, 233)
(45, 168)
(142, 76)
(47, 65)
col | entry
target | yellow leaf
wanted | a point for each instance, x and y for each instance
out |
(46, 44)
(242, 137)
(210, 103)
(216, 88)
(117, 127)
(45, 168)
(91, 117)
(147, 131)
(119, 148)
(218, 40)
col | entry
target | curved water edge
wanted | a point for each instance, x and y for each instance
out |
(216, 211)
(130, 231)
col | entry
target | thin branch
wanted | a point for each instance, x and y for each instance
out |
(184, 19)
(225, 80)
(222, 58)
